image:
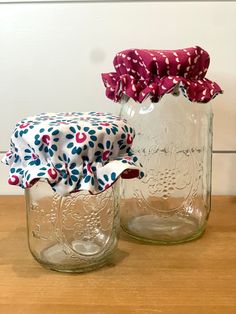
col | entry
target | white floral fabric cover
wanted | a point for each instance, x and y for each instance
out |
(72, 151)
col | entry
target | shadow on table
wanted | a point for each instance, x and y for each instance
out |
(15, 252)
(125, 237)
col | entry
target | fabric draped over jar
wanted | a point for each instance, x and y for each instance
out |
(73, 151)
(142, 73)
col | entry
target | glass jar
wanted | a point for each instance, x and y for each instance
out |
(74, 233)
(172, 202)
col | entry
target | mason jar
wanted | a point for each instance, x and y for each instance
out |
(172, 202)
(74, 233)
(70, 165)
(166, 96)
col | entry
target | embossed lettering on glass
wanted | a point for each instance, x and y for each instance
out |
(165, 96)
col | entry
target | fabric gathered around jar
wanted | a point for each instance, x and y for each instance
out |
(165, 96)
(69, 165)
(72, 151)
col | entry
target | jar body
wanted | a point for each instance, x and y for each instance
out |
(171, 204)
(75, 233)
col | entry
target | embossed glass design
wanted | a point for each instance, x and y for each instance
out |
(76, 233)
(173, 140)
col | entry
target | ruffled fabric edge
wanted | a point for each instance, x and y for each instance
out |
(93, 177)
(125, 86)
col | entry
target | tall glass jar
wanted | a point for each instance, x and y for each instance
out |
(174, 140)
(172, 202)
(74, 233)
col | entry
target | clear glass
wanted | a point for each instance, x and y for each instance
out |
(76, 233)
(171, 204)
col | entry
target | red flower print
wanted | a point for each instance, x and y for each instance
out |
(89, 168)
(27, 185)
(84, 119)
(13, 180)
(46, 139)
(107, 186)
(106, 154)
(127, 158)
(34, 156)
(67, 169)
(52, 173)
(24, 125)
(80, 137)
(129, 139)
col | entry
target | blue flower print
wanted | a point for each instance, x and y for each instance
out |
(47, 140)
(88, 171)
(49, 171)
(23, 128)
(126, 138)
(67, 170)
(15, 175)
(32, 157)
(78, 136)
(13, 153)
(104, 154)
(106, 124)
(106, 181)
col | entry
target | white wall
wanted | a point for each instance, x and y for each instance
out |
(52, 54)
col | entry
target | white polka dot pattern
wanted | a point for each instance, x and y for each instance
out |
(153, 73)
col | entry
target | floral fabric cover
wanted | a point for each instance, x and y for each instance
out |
(73, 151)
(153, 73)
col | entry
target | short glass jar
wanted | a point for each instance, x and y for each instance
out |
(74, 233)
(171, 204)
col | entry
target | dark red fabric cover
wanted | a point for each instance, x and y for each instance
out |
(142, 73)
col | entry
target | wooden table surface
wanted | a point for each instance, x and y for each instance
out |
(196, 277)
